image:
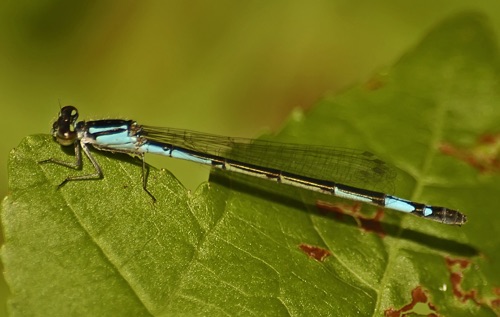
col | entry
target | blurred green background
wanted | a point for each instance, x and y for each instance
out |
(227, 67)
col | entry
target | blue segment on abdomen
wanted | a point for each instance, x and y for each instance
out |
(155, 148)
(351, 195)
(186, 156)
(399, 204)
(427, 211)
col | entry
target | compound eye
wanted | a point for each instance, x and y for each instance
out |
(69, 113)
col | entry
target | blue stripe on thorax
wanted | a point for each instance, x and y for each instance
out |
(112, 134)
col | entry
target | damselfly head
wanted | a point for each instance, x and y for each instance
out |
(63, 130)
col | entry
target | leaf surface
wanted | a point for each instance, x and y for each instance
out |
(233, 247)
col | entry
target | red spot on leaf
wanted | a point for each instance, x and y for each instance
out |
(462, 263)
(483, 156)
(317, 253)
(456, 267)
(418, 295)
(340, 210)
(495, 303)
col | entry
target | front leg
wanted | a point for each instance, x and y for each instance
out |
(77, 164)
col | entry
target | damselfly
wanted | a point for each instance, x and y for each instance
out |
(339, 172)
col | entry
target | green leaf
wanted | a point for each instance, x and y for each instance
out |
(233, 247)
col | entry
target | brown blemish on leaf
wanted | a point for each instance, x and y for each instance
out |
(340, 210)
(317, 253)
(456, 267)
(418, 295)
(483, 156)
